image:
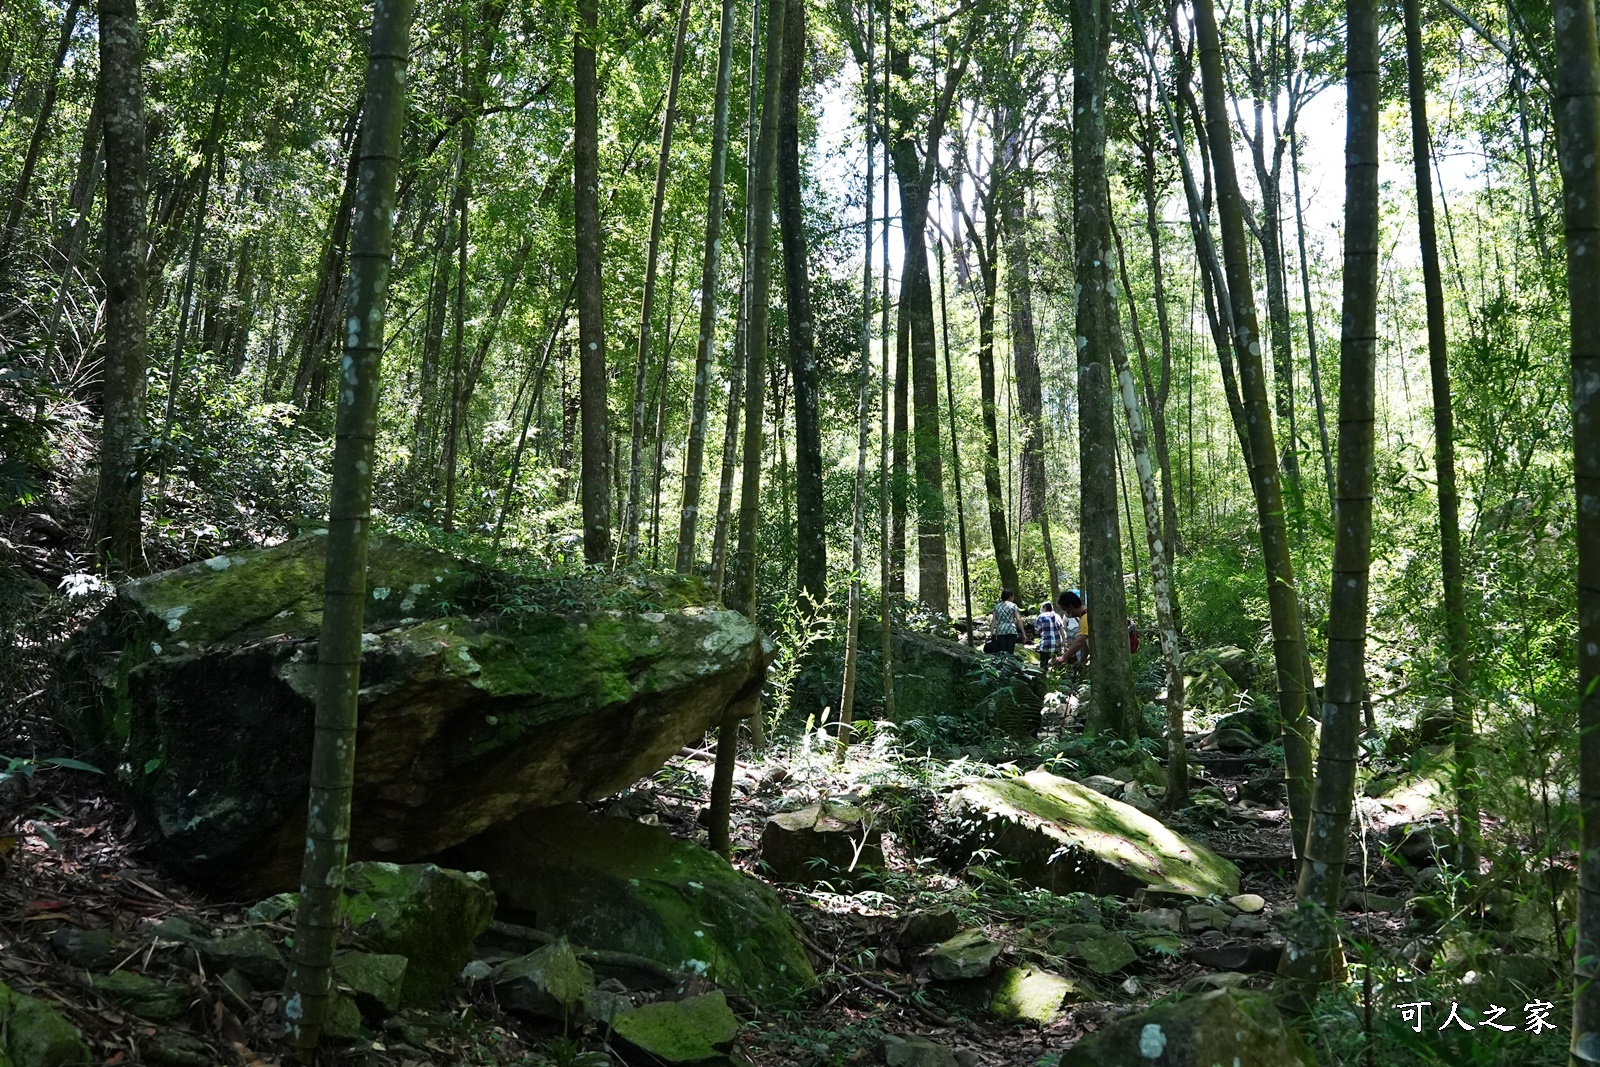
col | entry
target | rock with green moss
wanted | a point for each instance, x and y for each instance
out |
(1029, 994)
(470, 714)
(375, 978)
(428, 914)
(969, 954)
(1101, 950)
(141, 996)
(1065, 837)
(693, 1030)
(1228, 1026)
(33, 1034)
(612, 883)
(548, 983)
(250, 952)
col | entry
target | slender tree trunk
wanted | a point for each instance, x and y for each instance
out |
(1158, 390)
(663, 387)
(994, 488)
(527, 418)
(118, 537)
(1311, 318)
(811, 543)
(885, 546)
(1025, 349)
(458, 326)
(1312, 954)
(1455, 600)
(955, 455)
(1113, 706)
(730, 440)
(1578, 126)
(852, 640)
(899, 486)
(318, 918)
(710, 273)
(41, 128)
(630, 514)
(1288, 641)
(1160, 574)
(745, 561)
(596, 481)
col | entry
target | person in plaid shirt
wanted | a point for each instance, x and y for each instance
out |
(1051, 633)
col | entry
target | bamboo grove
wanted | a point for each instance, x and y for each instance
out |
(1251, 322)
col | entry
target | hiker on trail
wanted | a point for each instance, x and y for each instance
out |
(1052, 633)
(1006, 625)
(1075, 619)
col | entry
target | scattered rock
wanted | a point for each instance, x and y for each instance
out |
(1420, 845)
(928, 926)
(550, 983)
(612, 883)
(1249, 903)
(1103, 785)
(916, 1052)
(680, 1031)
(1066, 837)
(1224, 1026)
(1027, 994)
(1205, 983)
(1205, 917)
(831, 842)
(1102, 953)
(1267, 791)
(33, 1034)
(1372, 902)
(1248, 925)
(1429, 908)
(969, 954)
(172, 1048)
(467, 721)
(1232, 741)
(428, 914)
(250, 952)
(609, 999)
(344, 1021)
(92, 950)
(376, 978)
(142, 996)
(1160, 919)
(1259, 725)
(1430, 880)
(1247, 959)
(1233, 662)
(1135, 797)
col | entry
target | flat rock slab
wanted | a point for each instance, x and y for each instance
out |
(969, 954)
(33, 1034)
(1029, 994)
(202, 684)
(613, 883)
(1065, 837)
(1221, 1027)
(695, 1030)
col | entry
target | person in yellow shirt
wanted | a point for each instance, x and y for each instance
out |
(1076, 617)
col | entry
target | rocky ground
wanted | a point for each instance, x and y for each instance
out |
(150, 973)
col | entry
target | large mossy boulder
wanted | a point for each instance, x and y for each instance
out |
(470, 714)
(613, 883)
(1228, 1026)
(1066, 837)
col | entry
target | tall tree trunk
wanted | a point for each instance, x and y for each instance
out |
(1113, 706)
(1158, 390)
(1160, 574)
(1578, 127)
(1024, 346)
(811, 544)
(41, 128)
(745, 561)
(1311, 318)
(458, 325)
(899, 484)
(1312, 953)
(710, 274)
(641, 365)
(596, 482)
(527, 418)
(955, 455)
(118, 538)
(1469, 831)
(730, 439)
(318, 918)
(1288, 642)
(886, 553)
(422, 465)
(852, 644)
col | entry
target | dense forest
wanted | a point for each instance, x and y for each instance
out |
(857, 318)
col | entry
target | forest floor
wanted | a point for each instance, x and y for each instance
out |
(76, 865)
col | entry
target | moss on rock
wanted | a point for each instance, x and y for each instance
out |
(617, 884)
(1228, 1026)
(428, 914)
(1066, 837)
(33, 1034)
(680, 1031)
